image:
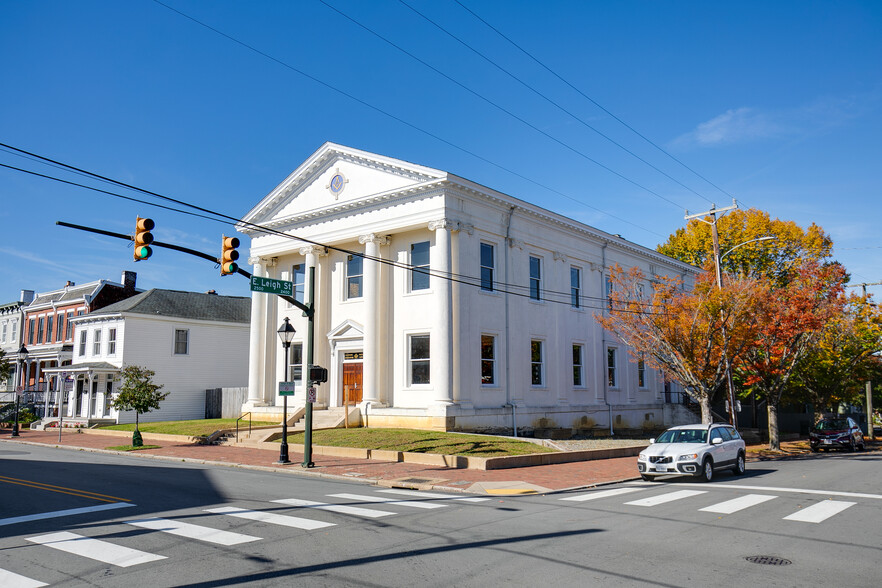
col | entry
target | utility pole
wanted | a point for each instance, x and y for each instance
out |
(719, 274)
(864, 286)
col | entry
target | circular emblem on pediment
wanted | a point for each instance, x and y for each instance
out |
(337, 183)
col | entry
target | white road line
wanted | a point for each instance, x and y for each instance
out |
(12, 580)
(192, 531)
(736, 504)
(819, 512)
(340, 508)
(669, 497)
(422, 494)
(394, 501)
(270, 517)
(766, 489)
(96, 549)
(64, 513)
(601, 494)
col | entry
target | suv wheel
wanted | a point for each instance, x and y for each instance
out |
(707, 470)
(647, 478)
(739, 468)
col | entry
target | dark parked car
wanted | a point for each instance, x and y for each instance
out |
(836, 432)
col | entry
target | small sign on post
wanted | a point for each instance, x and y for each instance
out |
(286, 388)
(272, 286)
(310, 394)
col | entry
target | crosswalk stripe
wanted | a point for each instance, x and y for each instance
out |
(601, 494)
(270, 517)
(96, 549)
(736, 504)
(383, 499)
(340, 508)
(669, 497)
(422, 494)
(820, 511)
(12, 580)
(192, 531)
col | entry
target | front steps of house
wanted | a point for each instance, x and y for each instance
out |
(328, 418)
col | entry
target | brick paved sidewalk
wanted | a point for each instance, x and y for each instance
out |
(541, 479)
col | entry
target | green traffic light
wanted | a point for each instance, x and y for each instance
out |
(142, 252)
(229, 268)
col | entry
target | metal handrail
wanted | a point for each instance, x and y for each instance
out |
(248, 414)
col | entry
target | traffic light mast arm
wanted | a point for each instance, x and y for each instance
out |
(306, 309)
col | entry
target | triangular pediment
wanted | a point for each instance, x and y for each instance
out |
(348, 329)
(336, 176)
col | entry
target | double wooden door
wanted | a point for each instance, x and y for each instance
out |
(352, 382)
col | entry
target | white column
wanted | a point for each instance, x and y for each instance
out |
(256, 353)
(441, 342)
(371, 295)
(312, 254)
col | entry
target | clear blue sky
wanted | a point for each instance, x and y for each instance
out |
(777, 103)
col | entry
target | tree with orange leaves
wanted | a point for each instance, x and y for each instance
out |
(686, 333)
(790, 317)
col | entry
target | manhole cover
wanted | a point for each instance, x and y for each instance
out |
(768, 560)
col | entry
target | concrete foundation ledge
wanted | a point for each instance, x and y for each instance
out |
(145, 436)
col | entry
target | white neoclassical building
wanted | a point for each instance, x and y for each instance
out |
(443, 304)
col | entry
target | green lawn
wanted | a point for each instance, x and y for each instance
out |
(192, 428)
(421, 442)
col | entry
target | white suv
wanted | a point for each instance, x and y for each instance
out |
(693, 450)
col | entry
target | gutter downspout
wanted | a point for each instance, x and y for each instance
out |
(508, 400)
(603, 339)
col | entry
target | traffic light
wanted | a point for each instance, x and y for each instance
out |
(143, 238)
(229, 255)
(318, 374)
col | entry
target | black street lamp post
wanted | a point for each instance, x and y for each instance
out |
(22, 356)
(286, 334)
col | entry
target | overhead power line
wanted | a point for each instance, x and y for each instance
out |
(406, 123)
(584, 95)
(551, 296)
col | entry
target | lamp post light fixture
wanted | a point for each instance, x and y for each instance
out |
(286, 335)
(22, 358)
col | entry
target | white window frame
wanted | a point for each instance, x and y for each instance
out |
(576, 290)
(96, 342)
(347, 278)
(540, 364)
(491, 268)
(411, 360)
(299, 285)
(81, 351)
(641, 373)
(186, 342)
(111, 341)
(423, 268)
(612, 367)
(535, 281)
(295, 367)
(580, 367)
(491, 361)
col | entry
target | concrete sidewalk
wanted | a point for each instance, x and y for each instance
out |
(524, 480)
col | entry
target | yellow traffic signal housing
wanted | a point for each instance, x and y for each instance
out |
(143, 238)
(229, 255)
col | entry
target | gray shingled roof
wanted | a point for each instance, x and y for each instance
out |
(68, 294)
(191, 305)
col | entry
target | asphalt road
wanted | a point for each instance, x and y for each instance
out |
(70, 518)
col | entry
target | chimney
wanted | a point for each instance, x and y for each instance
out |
(27, 296)
(69, 284)
(128, 281)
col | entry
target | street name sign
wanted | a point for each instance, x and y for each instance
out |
(272, 286)
(286, 388)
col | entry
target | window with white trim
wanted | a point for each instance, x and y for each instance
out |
(418, 359)
(49, 324)
(111, 342)
(578, 365)
(298, 276)
(641, 373)
(82, 350)
(295, 367)
(96, 342)
(488, 264)
(59, 331)
(40, 330)
(3, 335)
(354, 276)
(488, 360)
(537, 363)
(535, 278)
(68, 335)
(182, 341)
(575, 287)
(419, 261)
(611, 367)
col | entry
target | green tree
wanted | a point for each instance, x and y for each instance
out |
(775, 259)
(138, 393)
(837, 367)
